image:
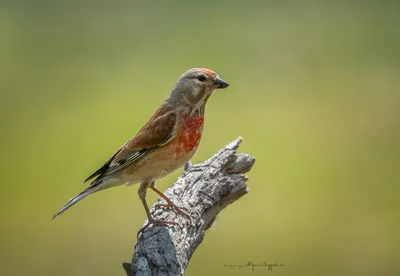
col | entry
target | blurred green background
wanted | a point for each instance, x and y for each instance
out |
(315, 92)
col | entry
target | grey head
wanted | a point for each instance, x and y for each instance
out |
(194, 88)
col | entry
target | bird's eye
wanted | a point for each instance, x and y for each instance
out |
(201, 78)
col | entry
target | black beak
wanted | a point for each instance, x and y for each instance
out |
(220, 83)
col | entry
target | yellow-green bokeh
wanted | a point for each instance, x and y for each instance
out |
(315, 92)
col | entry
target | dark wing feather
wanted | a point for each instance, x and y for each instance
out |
(157, 132)
(103, 168)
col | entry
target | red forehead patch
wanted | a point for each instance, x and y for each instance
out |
(208, 71)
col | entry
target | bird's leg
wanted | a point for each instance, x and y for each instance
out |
(170, 204)
(142, 194)
(150, 220)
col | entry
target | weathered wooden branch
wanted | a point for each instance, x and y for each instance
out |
(204, 189)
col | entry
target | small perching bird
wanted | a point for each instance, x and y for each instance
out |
(165, 143)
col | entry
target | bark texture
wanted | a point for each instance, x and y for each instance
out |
(204, 189)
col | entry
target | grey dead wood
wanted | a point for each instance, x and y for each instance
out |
(204, 189)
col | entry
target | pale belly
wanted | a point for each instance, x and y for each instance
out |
(158, 164)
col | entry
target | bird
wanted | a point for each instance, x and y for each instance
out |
(164, 144)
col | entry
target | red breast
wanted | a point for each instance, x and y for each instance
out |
(189, 135)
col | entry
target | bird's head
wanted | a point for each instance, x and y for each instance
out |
(195, 87)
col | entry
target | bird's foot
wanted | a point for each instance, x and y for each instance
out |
(155, 222)
(180, 210)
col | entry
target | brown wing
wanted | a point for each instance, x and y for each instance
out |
(158, 131)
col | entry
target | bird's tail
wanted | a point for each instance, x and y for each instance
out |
(91, 189)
